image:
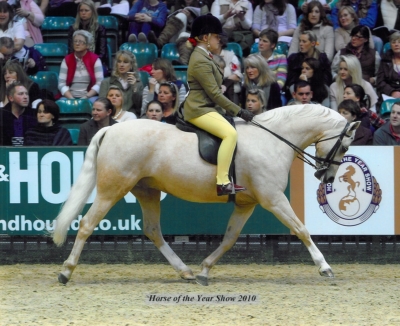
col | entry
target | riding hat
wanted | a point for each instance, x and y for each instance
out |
(206, 24)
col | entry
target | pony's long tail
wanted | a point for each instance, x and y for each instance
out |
(80, 191)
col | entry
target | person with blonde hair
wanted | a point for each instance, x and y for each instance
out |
(125, 76)
(350, 73)
(87, 19)
(255, 101)
(116, 98)
(258, 75)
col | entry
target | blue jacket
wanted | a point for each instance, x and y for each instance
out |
(158, 12)
(369, 20)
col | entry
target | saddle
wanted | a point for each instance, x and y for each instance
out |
(209, 145)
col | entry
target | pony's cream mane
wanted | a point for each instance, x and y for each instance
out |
(307, 111)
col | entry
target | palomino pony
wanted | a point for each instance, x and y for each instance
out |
(147, 157)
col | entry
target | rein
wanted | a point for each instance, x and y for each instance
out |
(302, 155)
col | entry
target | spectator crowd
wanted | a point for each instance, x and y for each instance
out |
(343, 54)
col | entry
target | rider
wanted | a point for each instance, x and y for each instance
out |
(205, 80)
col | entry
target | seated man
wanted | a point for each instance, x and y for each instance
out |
(389, 133)
(302, 93)
(16, 117)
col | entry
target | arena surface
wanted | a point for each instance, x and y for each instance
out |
(105, 294)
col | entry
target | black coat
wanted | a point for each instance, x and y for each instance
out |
(48, 136)
(387, 79)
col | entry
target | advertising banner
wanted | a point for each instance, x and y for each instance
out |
(35, 181)
(361, 200)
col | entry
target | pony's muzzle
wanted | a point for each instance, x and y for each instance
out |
(320, 172)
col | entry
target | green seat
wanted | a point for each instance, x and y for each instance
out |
(144, 77)
(112, 31)
(182, 76)
(386, 108)
(78, 110)
(46, 80)
(53, 53)
(386, 47)
(145, 53)
(254, 48)
(73, 128)
(170, 52)
(74, 135)
(236, 48)
(55, 29)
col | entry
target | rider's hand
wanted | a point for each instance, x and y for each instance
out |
(245, 115)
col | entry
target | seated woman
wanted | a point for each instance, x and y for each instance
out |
(268, 39)
(8, 27)
(179, 22)
(350, 73)
(48, 132)
(315, 20)
(366, 11)
(125, 77)
(234, 15)
(81, 72)
(308, 49)
(154, 111)
(259, 76)
(347, 19)
(168, 97)
(277, 15)
(359, 46)
(87, 19)
(116, 97)
(351, 111)
(313, 74)
(33, 20)
(255, 101)
(232, 68)
(12, 71)
(102, 111)
(162, 71)
(388, 76)
(146, 15)
(357, 94)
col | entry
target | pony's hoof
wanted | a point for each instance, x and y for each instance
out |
(202, 280)
(62, 279)
(187, 275)
(327, 273)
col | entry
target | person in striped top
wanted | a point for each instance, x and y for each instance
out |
(276, 62)
(81, 72)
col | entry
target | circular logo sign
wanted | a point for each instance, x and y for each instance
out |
(354, 195)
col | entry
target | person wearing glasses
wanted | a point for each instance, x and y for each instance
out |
(81, 72)
(205, 96)
(359, 46)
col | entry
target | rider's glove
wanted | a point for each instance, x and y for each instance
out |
(245, 115)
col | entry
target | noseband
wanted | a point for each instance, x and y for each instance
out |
(326, 162)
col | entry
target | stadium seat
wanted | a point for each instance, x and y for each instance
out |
(55, 29)
(386, 108)
(281, 48)
(74, 135)
(254, 48)
(144, 77)
(170, 52)
(73, 128)
(53, 53)
(111, 25)
(145, 53)
(236, 48)
(182, 76)
(77, 110)
(46, 80)
(386, 47)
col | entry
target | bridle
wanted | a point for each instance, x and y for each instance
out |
(325, 162)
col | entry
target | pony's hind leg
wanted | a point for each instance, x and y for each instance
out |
(149, 200)
(236, 222)
(87, 224)
(281, 208)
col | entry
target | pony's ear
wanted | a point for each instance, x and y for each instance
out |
(354, 125)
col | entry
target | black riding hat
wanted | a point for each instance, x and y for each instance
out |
(206, 24)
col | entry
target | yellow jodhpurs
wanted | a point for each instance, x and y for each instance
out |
(216, 125)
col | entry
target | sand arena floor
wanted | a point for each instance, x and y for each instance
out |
(107, 294)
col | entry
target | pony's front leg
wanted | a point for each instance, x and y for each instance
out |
(149, 200)
(281, 208)
(236, 222)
